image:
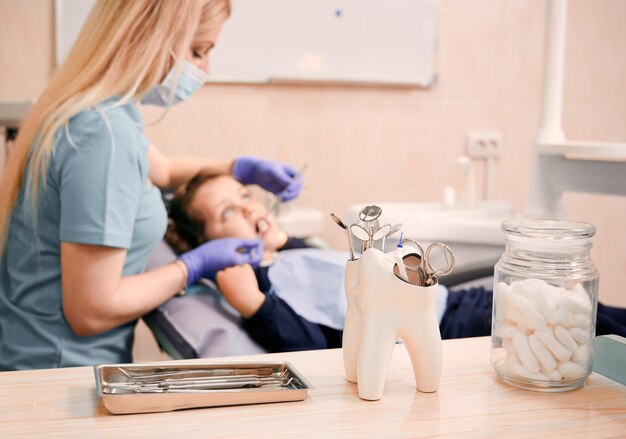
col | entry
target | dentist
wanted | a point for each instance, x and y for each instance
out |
(79, 210)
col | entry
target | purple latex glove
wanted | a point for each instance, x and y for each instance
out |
(213, 256)
(278, 178)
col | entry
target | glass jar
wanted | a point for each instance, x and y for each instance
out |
(544, 305)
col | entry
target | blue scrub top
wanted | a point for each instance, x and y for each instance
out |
(97, 192)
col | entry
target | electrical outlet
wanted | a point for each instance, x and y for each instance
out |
(483, 144)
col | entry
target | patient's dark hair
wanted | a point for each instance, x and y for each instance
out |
(184, 230)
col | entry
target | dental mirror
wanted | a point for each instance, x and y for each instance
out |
(360, 232)
(370, 213)
(338, 221)
(393, 230)
(381, 232)
(343, 225)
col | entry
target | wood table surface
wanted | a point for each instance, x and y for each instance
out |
(470, 403)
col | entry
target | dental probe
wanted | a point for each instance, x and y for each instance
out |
(400, 261)
(298, 174)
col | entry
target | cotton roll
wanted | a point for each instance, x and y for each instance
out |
(549, 341)
(522, 372)
(580, 335)
(519, 370)
(505, 330)
(532, 317)
(581, 321)
(526, 356)
(545, 329)
(512, 312)
(543, 355)
(503, 293)
(565, 338)
(582, 355)
(546, 307)
(554, 375)
(571, 370)
(581, 299)
(564, 317)
(507, 345)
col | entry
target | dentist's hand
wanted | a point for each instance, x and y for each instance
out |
(278, 178)
(213, 256)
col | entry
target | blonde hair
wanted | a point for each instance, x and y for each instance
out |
(124, 49)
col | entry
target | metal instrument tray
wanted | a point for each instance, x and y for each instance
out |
(161, 387)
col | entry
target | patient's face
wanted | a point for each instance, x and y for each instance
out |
(229, 211)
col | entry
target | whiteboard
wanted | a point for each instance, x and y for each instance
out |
(343, 41)
(372, 41)
(69, 16)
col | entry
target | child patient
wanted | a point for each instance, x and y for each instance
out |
(218, 206)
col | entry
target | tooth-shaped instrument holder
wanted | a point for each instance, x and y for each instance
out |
(381, 309)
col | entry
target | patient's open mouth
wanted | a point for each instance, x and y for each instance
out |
(262, 225)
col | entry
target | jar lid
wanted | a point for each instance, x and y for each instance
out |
(549, 229)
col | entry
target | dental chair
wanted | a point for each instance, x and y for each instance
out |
(201, 324)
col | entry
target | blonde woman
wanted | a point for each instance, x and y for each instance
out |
(79, 214)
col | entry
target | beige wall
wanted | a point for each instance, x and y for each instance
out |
(397, 144)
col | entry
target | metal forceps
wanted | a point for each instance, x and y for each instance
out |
(427, 271)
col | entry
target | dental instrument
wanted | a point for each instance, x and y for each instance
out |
(393, 230)
(426, 269)
(370, 213)
(381, 233)
(278, 198)
(399, 254)
(368, 219)
(360, 232)
(343, 225)
(152, 387)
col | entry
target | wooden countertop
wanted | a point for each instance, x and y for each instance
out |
(470, 403)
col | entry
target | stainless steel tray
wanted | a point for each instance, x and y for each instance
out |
(162, 387)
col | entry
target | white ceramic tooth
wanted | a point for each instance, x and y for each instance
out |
(541, 352)
(549, 341)
(525, 354)
(582, 355)
(565, 338)
(571, 370)
(580, 335)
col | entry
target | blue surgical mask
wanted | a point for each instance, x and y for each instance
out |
(190, 79)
